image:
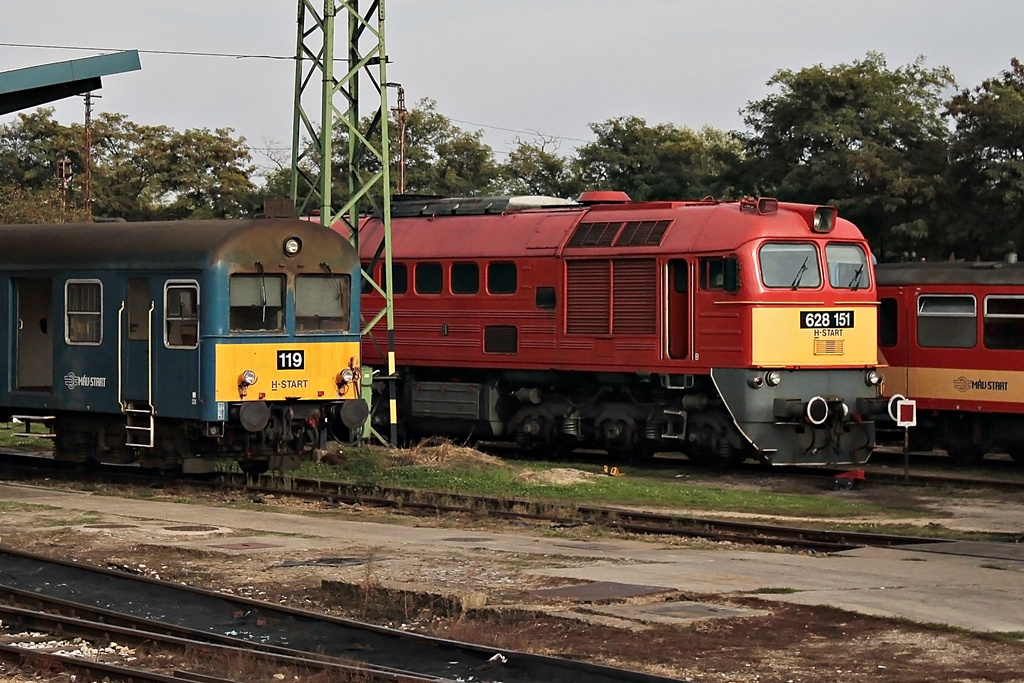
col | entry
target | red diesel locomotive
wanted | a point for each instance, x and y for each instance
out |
(952, 335)
(724, 330)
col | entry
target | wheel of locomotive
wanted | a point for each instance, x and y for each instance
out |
(253, 468)
(1017, 453)
(965, 454)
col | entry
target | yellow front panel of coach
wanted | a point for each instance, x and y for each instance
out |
(814, 336)
(284, 369)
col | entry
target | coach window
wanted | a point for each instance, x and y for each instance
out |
(501, 278)
(322, 302)
(83, 312)
(847, 266)
(947, 321)
(181, 315)
(1004, 322)
(790, 264)
(429, 278)
(465, 278)
(257, 302)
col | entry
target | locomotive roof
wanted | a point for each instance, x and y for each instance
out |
(149, 245)
(950, 272)
(506, 227)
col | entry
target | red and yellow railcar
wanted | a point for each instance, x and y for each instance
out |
(952, 335)
(719, 329)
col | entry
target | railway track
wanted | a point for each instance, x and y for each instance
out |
(68, 598)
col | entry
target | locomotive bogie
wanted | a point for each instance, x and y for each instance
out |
(180, 344)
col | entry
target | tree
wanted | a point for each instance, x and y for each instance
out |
(533, 168)
(865, 138)
(658, 163)
(987, 171)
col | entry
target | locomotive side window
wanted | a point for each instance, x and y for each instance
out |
(1004, 322)
(791, 265)
(257, 302)
(888, 322)
(545, 297)
(400, 275)
(181, 315)
(465, 278)
(322, 302)
(712, 273)
(847, 266)
(947, 321)
(83, 312)
(501, 278)
(429, 278)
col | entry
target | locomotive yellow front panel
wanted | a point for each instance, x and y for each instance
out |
(814, 336)
(286, 370)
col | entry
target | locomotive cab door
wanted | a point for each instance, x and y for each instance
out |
(33, 352)
(678, 309)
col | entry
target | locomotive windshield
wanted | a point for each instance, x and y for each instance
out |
(791, 265)
(256, 302)
(322, 302)
(847, 266)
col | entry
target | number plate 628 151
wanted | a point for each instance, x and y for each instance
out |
(819, 319)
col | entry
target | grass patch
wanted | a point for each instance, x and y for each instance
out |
(8, 430)
(462, 470)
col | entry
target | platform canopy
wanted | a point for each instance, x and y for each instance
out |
(36, 85)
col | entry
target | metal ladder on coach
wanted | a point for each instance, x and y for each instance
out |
(138, 424)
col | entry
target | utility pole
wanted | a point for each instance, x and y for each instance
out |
(87, 156)
(402, 116)
(63, 168)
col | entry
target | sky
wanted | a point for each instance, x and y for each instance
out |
(513, 69)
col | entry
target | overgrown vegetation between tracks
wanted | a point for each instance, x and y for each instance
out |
(447, 467)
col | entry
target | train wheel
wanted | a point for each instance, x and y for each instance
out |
(965, 455)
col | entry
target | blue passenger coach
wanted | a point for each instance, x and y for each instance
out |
(177, 344)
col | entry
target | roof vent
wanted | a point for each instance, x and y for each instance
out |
(604, 197)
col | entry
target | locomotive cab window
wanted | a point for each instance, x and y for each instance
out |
(83, 312)
(1004, 322)
(790, 264)
(181, 315)
(501, 278)
(947, 321)
(465, 278)
(429, 278)
(257, 302)
(322, 302)
(847, 266)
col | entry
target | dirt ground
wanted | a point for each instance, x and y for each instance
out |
(785, 643)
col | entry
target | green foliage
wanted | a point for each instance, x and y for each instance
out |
(533, 168)
(868, 139)
(987, 174)
(658, 163)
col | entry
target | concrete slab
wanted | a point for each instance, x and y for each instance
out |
(599, 590)
(683, 612)
(978, 590)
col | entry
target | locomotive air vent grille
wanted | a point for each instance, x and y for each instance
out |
(594, 234)
(828, 347)
(642, 233)
(501, 339)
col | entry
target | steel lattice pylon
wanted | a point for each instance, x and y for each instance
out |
(367, 165)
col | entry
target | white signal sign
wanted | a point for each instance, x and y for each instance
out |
(906, 413)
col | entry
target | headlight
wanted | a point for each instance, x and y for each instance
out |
(773, 378)
(872, 378)
(247, 379)
(292, 246)
(347, 375)
(824, 219)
